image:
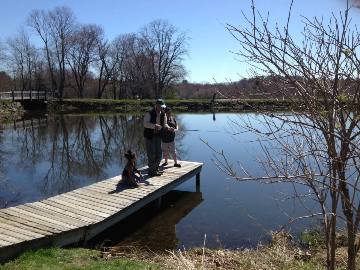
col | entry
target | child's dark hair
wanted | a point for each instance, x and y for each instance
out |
(129, 155)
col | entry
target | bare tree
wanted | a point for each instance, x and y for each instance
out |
(137, 67)
(82, 53)
(130, 72)
(111, 56)
(102, 65)
(39, 21)
(317, 144)
(166, 47)
(62, 23)
(2, 54)
(22, 58)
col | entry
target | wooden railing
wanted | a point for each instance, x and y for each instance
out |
(24, 95)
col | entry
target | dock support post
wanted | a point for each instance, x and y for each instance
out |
(197, 182)
(158, 202)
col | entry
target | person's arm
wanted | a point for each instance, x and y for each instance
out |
(147, 123)
(137, 171)
(165, 121)
(176, 125)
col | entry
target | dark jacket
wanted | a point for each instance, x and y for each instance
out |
(166, 135)
(148, 132)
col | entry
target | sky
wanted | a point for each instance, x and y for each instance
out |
(211, 48)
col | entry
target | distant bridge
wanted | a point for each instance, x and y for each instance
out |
(24, 95)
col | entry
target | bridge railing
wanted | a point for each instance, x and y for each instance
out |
(24, 95)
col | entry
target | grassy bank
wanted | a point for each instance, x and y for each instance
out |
(10, 110)
(71, 259)
(282, 253)
(189, 105)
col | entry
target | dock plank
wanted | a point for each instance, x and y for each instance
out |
(97, 206)
(27, 227)
(4, 243)
(19, 212)
(31, 222)
(78, 206)
(52, 215)
(103, 199)
(115, 193)
(106, 197)
(13, 236)
(58, 210)
(19, 230)
(82, 213)
(10, 239)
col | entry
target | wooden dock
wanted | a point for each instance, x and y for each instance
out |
(79, 215)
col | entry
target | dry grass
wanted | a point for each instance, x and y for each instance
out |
(281, 254)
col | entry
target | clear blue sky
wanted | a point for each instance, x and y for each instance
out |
(203, 20)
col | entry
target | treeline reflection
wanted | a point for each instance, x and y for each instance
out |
(45, 158)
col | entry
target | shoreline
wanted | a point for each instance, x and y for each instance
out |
(190, 105)
(10, 111)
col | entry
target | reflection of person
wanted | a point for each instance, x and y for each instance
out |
(154, 121)
(168, 138)
(129, 176)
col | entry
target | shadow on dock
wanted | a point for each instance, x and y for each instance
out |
(150, 228)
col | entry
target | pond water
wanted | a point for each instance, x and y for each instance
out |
(48, 156)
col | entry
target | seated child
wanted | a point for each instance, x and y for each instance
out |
(168, 138)
(129, 176)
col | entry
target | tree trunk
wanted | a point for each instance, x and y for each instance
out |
(351, 262)
(332, 242)
(99, 92)
(114, 91)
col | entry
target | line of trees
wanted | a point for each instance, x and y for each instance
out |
(78, 60)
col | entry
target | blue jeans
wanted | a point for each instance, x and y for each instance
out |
(154, 153)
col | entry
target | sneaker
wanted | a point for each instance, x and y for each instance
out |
(164, 164)
(177, 165)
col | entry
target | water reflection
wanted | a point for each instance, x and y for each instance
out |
(57, 154)
(150, 228)
(47, 156)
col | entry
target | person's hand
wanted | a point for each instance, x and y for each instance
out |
(157, 127)
(171, 129)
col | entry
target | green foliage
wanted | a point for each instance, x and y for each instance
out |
(314, 238)
(70, 259)
(171, 94)
(347, 52)
(343, 98)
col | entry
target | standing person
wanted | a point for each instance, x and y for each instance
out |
(154, 121)
(168, 138)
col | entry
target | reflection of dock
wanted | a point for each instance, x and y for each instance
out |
(160, 232)
(83, 213)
